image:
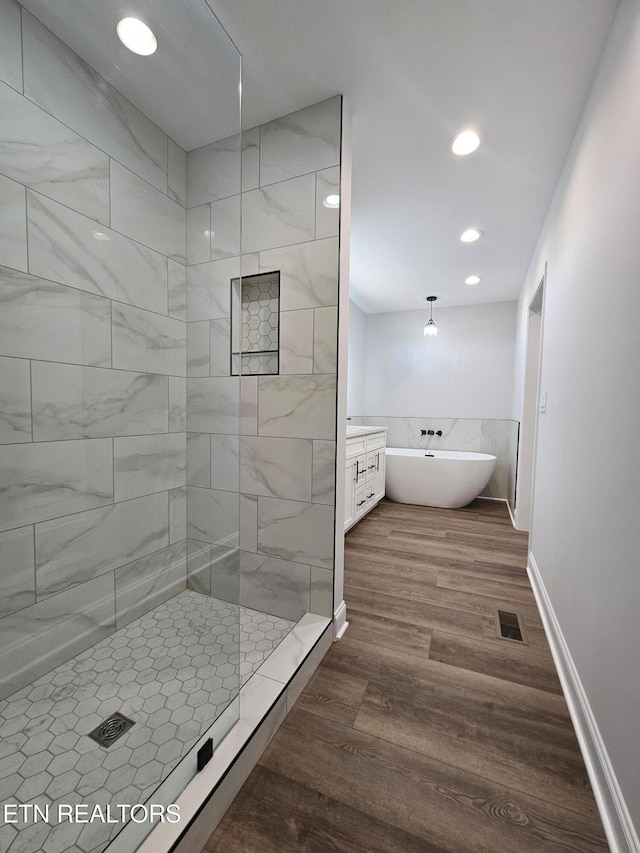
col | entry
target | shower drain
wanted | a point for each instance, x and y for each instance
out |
(109, 731)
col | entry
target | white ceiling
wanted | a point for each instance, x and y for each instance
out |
(413, 72)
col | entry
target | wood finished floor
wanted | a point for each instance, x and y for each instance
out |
(420, 730)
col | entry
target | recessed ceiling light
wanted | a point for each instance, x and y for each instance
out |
(473, 279)
(466, 142)
(471, 235)
(100, 236)
(332, 201)
(137, 36)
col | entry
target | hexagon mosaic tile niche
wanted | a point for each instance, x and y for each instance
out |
(172, 671)
(256, 338)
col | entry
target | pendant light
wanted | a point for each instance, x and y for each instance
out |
(431, 327)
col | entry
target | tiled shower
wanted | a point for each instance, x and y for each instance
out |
(165, 523)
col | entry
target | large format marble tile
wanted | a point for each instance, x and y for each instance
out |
(213, 405)
(88, 402)
(199, 460)
(177, 514)
(44, 320)
(148, 342)
(249, 523)
(321, 597)
(65, 246)
(199, 567)
(297, 406)
(249, 405)
(250, 159)
(219, 347)
(209, 289)
(278, 215)
(79, 547)
(39, 638)
(15, 401)
(324, 472)
(304, 141)
(17, 572)
(177, 289)
(296, 341)
(144, 464)
(11, 45)
(274, 586)
(225, 462)
(177, 173)
(276, 467)
(327, 218)
(296, 531)
(213, 171)
(225, 573)
(213, 516)
(199, 234)
(225, 228)
(308, 273)
(13, 224)
(147, 215)
(42, 481)
(60, 82)
(325, 340)
(198, 340)
(44, 154)
(149, 581)
(177, 404)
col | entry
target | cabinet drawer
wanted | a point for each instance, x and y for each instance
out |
(376, 440)
(356, 446)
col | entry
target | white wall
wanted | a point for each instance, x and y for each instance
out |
(465, 372)
(585, 535)
(355, 386)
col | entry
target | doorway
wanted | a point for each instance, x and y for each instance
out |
(530, 409)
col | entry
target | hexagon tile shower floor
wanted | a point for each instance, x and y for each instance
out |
(172, 671)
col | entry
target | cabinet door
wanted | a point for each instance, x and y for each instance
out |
(361, 504)
(378, 475)
(360, 469)
(349, 493)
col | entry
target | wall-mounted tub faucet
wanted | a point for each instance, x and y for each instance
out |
(430, 432)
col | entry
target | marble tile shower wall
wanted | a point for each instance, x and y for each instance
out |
(499, 437)
(92, 355)
(261, 455)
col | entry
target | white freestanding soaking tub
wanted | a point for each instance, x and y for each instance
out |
(445, 478)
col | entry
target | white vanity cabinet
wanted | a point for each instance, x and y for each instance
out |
(364, 480)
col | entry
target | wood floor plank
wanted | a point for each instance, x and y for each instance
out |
(392, 633)
(279, 815)
(484, 583)
(506, 732)
(433, 801)
(509, 661)
(416, 612)
(334, 695)
(410, 585)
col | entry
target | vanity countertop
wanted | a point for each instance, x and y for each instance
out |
(353, 431)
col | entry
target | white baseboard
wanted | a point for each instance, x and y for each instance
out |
(512, 516)
(340, 623)
(618, 826)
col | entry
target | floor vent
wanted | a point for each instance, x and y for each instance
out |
(109, 731)
(509, 627)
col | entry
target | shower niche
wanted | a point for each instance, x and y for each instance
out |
(255, 324)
